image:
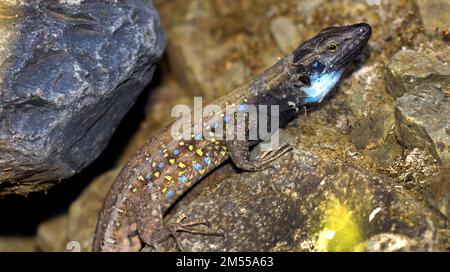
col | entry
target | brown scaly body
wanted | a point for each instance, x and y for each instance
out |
(167, 166)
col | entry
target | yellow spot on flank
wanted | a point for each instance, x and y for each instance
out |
(213, 140)
(179, 192)
(201, 171)
(181, 143)
(154, 164)
(200, 152)
(166, 155)
(141, 178)
(164, 190)
(156, 174)
(168, 177)
(172, 161)
(188, 184)
(181, 173)
(245, 100)
(211, 134)
(181, 165)
(190, 147)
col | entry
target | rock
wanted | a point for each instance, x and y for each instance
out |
(409, 69)
(17, 244)
(415, 169)
(423, 121)
(69, 71)
(52, 234)
(83, 213)
(236, 75)
(389, 242)
(435, 15)
(438, 194)
(285, 34)
(157, 114)
(374, 130)
(305, 203)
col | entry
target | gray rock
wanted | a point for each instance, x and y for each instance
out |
(423, 121)
(305, 203)
(435, 14)
(17, 244)
(52, 234)
(285, 33)
(69, 71)
(409, 68)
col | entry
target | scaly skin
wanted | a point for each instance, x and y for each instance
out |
(166, 167)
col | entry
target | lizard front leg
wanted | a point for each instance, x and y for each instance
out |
(240, 154)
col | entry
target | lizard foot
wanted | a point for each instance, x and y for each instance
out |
(183, 224)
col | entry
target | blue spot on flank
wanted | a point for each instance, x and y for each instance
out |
(227, 118)
(197, 166)
(169, 193)
(321, 85)
(182, 179)
(198, 137)
(215, 125)
(176, 152)
(160, 165)
(207, 160)
(148, 177)
(242, 107)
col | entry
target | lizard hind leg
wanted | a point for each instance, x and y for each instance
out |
(151, 229)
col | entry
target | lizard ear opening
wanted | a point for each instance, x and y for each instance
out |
(304, 79)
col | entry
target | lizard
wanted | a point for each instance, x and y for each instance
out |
(165, 167)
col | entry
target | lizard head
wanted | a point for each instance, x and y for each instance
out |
(319, 62)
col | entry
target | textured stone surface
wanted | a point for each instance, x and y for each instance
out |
(423, 121)
(67, 78)
(435, 15)
(439, 192)
(409, 69)
(229, 41)
(285, 34)
(308, 204)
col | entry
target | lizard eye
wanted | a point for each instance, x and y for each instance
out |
(332, 47)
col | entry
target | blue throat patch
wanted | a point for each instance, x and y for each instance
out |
(321, 85)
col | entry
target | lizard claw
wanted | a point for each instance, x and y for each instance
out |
(182, 224)
(186, 225)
